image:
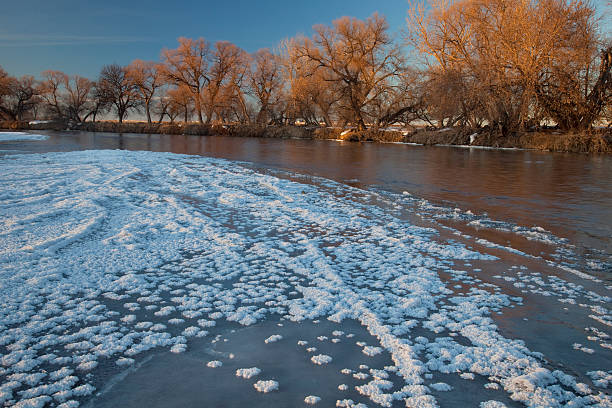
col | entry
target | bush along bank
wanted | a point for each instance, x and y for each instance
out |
(591, 141)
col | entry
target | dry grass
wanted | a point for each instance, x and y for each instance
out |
(592, 142)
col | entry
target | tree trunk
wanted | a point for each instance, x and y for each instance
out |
(243, 108)
(198, 106)
(147, 108)
(260, 116)
(327, 119)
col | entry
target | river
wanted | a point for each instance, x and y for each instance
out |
(569, 195)
(267, 272)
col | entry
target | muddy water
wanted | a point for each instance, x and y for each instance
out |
(567, 194)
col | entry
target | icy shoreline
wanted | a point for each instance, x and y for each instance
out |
(21, 137)
(109, 254)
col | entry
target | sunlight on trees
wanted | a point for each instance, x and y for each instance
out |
(116, 88)
(146, 78)
(359, 57)
(506, 65)
(187, 65)
(18, 96)
(265, 84)
(513, 62)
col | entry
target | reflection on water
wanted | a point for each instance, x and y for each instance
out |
(568, 194)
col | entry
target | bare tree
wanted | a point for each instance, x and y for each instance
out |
(265, 83)
(79, 100)
(6, 83)
(115, 87)
(228, 62)
(66, 97)
(360, 57)
(449, 97)
(399, 100)
(235, 104)
(312, 94)
(50, 90)
(503, 50)
(4, 80)
(99, 102)
(575, 87)
(146, 77)
(180, 103)
(18, 97)
(159, 105)
(187, 65)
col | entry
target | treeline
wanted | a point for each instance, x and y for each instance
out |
(508, 65)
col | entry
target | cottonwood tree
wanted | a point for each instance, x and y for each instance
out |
(463, 43)
(147, 78)
(311, 96)
(159, 106)
(398, 101)
(79, 100)
(576, 88)
(502, 49)
(5, 90)
(448, 97)
(187, 66)
(18, 97)
(115, 87)
(234, 103)
(50, 91)
(99, 102)
(4, 79)
(66, 97)
(265, 83)
(227, 61)
(358, 56)
(180, 103)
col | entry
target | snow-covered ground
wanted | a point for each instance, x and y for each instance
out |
(20, 137)
(106, 255)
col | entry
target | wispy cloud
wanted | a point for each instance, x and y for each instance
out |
(38, 40)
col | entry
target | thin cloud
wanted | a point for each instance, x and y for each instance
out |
(36, 40)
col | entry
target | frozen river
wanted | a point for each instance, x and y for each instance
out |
(208, 271)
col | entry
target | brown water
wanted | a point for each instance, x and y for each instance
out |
(567, 194)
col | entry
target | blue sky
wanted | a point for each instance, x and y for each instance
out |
(79, 37)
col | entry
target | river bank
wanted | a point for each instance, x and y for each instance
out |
(594, 141)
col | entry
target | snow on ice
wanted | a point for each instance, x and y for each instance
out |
(312, 399)
(248, 372)
(94, 241)
(266, 386)
(21, 137)
(321, 359)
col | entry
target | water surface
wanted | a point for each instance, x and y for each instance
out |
(491, 256)
(569, 195)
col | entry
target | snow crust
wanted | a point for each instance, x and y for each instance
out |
(247, 373)
(108, 254)
(321, 359)
(312, 399)
(273, 339)
(440, 386)
(21, 137)
(266, 386)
